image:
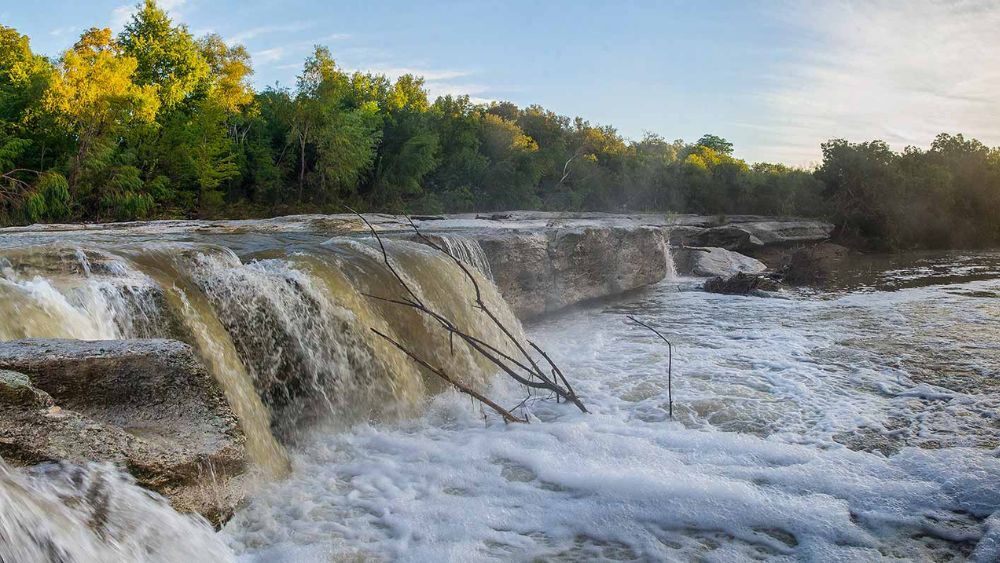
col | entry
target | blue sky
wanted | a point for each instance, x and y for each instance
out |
(776, 78)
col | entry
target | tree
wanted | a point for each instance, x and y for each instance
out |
(166, 55)
(716, 143)
(94, 96)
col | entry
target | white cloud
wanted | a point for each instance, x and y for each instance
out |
(897, 71)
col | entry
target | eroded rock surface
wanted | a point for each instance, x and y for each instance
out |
(711, 262)
(539, 272)
(148, 406)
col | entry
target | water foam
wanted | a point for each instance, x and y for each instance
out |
(751, 468)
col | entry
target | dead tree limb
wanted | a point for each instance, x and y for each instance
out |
(670, 362)
(525, 370)
(507, 415)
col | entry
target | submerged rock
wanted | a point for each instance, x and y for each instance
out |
(146, 405)
(810, 265)
(710, 262)
(740, 284)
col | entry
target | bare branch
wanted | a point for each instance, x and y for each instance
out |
(507, 415)
(525, 371)
(670, 362)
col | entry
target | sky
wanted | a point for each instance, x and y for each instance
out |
(777, 78)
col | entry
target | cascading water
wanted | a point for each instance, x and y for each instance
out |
(82, 514)
(668, 257)
(469, 251)
(286, 334)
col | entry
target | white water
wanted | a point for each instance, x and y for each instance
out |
(749, 468)
(469, 251)
(87, 514)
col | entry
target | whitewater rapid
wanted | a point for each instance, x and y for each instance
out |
(750, 468)
(857, 425)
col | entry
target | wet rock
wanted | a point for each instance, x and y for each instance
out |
(710, 262)
(682, 235)
(540, 272)
(750, 233)
(788, 232)
(146, 405)
(16, 390)
(740, 284)
(813, 264)
(729, 237)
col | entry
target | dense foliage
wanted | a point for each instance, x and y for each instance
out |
(157, 123)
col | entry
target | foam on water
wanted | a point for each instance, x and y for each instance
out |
(753, 466)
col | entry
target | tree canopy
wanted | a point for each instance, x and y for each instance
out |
(155, 122)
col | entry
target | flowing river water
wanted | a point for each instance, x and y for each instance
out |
(856, 424)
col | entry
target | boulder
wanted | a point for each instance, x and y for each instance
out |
(710, 262)
(543, 271)
(147, 406)
(740, 284)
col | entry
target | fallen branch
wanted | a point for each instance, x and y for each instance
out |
(507, 415)
(670, 362)
(525, 369)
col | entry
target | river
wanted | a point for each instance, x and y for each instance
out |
(852, 424)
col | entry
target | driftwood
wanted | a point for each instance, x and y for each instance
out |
(670, 362)
(524, 368)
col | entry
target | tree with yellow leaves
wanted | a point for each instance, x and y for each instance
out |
(93, 94)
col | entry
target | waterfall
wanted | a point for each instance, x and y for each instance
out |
(469, 251)
(94, 513)
(287, 334)
(668, 257)
(43, 294)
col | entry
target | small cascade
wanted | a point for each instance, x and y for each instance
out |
(94, 513)
(668, 257)
(56, 293)
(468, 250)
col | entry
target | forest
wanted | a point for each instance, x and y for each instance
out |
(156, 123)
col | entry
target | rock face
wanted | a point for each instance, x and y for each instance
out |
(747, 234)
(539, 272)
(710, 262)
(146, 405)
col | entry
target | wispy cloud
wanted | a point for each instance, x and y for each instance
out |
(63, 31)
(265, 57)
(429, 74)
(439, 81)
(269, 55)
(900, 71)
(255, 32)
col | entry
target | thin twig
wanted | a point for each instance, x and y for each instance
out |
(670, 362)
(507, 415)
